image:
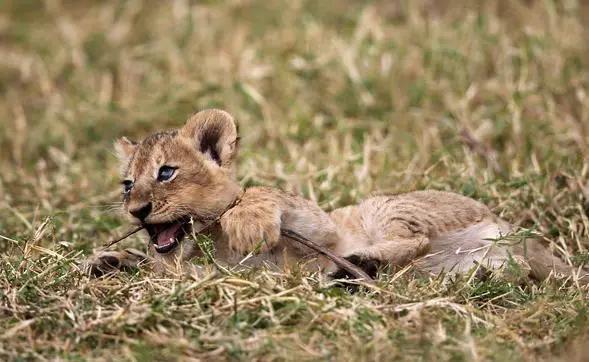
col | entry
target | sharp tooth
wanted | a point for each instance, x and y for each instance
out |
(171, 240)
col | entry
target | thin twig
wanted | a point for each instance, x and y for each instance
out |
(338, 260)
(112, 242)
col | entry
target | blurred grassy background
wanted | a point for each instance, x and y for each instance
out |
(335, 100)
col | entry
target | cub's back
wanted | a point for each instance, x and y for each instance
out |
(429, 212)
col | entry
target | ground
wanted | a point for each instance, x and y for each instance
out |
(335, 101)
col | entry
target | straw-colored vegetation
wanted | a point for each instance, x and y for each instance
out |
(336, 100)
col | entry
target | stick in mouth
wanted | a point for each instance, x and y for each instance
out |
(129, 233)
(167, 236)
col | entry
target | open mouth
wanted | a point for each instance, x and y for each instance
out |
(166, 236)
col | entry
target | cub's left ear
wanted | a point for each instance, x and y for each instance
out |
(215, 135)
(124, 149)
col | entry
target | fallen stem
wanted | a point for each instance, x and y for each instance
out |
(113, 242)
(338, 260)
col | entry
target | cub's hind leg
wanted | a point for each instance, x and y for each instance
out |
(109, 261)
(375, 234)
(396, 253)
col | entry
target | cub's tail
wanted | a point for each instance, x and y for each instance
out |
(543, 264)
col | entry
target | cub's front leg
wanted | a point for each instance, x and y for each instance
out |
(254, 223)
(263, 213)
(110, 261)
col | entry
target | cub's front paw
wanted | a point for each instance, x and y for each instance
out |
(369, 265)
(254, 232)
(106, 262)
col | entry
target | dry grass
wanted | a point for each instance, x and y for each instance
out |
(335, 100)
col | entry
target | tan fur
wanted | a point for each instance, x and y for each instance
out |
(436, 231)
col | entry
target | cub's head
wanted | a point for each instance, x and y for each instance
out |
(173, 177)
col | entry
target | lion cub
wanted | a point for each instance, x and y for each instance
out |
(177, 182)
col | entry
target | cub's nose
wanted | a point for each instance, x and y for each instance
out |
(141, 212)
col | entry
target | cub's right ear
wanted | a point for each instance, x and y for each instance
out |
(124, 149)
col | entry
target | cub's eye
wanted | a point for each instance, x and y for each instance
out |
(165, 173)
(127, 186)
